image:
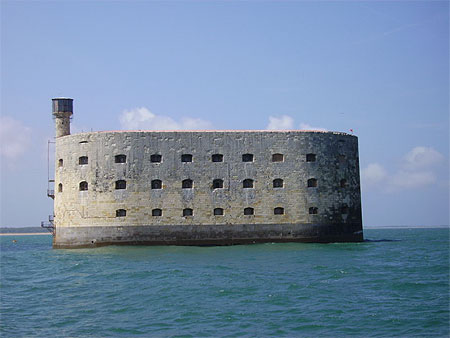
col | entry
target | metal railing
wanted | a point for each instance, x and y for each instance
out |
(50, 225)
(50, 181)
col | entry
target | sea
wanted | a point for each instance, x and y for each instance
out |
(394, 284)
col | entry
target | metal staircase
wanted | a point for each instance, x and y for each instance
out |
(50, 225)
(51, 193)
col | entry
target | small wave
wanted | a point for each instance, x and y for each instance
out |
(381, 240)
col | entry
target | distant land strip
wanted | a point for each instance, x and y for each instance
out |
(17, 231)
(406, 226)
(24, 233)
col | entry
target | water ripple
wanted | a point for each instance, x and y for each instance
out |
(393, 284)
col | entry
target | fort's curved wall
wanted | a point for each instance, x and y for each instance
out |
(90, 217)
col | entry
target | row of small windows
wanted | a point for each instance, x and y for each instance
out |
(157, 158)
(190, 212)
(220, 212)
(216, 184)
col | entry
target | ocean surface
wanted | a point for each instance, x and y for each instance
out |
(394, 284)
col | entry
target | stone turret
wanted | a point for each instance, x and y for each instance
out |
(62, 112)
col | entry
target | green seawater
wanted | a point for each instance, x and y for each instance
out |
(394, 284)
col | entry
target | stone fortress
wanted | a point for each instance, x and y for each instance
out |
(203, 187)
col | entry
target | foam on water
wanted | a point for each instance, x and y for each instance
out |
(395, 284)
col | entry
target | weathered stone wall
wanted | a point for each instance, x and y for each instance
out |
(336, 160)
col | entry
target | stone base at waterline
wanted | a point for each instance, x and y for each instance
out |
(204, 235)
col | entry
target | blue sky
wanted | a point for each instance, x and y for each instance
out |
(379, 68)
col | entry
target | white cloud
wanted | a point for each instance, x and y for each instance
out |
(306, 126)
(421, 158)
(284, 122)
(143, 119)
(374, 173)
(15, 138)
(410, 180)
(190, 123)
(416, 171)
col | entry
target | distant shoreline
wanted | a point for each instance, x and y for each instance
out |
(407, 227)
(24, 233)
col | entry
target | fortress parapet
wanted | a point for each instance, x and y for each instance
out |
(205, 187)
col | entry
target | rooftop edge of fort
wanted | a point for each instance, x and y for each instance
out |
(213, 131)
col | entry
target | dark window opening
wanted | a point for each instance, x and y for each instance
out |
(217, 158)
(121, 184)
(278, 183)
(83, 160)
(187, 184)
(217, 184)
(277, 158)
(60, 187)
(343, 183)
(186, 158)
(218, 211)
(247, 183)
(156, 184)
(156, 212)
(247, 158)
(312, 183)
(310, 157)
(313, 211)
(120, 158)
(121, 213)
(278, 211)
(249, 211)
(188, 212)
(60, 162)
(83, 186)
(156, 158)
(344, 209)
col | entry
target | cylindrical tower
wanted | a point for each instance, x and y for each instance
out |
(62, 112)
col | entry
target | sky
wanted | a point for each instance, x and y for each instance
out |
(380, 68)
